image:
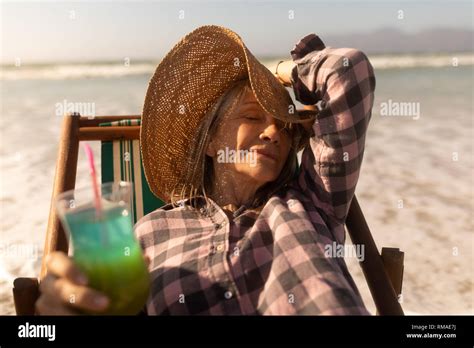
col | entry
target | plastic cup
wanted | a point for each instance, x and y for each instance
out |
(104, 245)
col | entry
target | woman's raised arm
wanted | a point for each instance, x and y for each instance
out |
(342, 81)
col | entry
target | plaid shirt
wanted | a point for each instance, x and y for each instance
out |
(272, 260)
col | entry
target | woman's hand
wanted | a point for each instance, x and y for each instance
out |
(283, 72)
(64, 290)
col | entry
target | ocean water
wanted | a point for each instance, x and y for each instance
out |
(415, 188)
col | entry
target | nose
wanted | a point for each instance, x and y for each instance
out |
(271, 131)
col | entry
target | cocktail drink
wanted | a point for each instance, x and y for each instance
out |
(104, 246)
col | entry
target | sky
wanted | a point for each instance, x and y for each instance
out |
(46, 31)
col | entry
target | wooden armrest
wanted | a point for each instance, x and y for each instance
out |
(392, 259)
(25, 294)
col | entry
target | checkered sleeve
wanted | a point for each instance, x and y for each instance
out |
(341, 82)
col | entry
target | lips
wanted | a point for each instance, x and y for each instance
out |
(267, 153)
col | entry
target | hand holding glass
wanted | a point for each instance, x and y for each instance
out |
(104, 245)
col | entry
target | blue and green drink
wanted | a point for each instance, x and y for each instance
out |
(104, 246)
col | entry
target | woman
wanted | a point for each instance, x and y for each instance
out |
(246, 230)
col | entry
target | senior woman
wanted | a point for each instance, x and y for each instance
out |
(246, 228)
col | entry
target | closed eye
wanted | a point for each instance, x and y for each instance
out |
(252, 117)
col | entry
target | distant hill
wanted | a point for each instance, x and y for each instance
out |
(390, 40)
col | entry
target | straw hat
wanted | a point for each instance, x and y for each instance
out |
(188, 81)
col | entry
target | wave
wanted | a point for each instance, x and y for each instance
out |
(64, 71)
(406, 61)
(421, 61)
(74, 71)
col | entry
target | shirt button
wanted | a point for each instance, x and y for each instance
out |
(228, 295)
(220, 247)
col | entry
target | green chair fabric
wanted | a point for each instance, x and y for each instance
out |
(121, 161)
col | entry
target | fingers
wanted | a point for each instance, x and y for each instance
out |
(48, 303)
(63, 291)
(44, 306)
(147, 260)
(283, 72)
(279, 79)
(60, 265)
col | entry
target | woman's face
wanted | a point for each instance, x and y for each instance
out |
(250, 143)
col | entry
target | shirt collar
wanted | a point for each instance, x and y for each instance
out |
(199, 202)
